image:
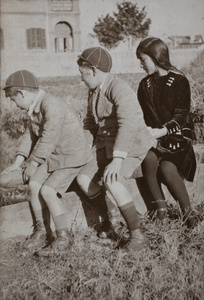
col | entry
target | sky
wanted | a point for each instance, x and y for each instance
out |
(169, 17)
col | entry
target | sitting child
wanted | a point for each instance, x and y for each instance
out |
(164, 96)
(117, 132)
(51, 153)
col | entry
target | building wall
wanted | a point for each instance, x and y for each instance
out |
(19, 15)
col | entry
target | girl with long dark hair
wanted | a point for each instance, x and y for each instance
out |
(165, 98)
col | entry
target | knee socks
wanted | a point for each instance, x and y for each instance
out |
(99, 204)
(60, 221)
(130, 215)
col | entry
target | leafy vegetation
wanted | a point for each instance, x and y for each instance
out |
(128, 23)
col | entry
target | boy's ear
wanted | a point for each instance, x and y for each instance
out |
(21, 92)
(94, 70)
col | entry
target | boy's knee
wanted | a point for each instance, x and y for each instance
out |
(33, 185)
(87, 185)
(46, 192)
(83, 181)
(112, 187)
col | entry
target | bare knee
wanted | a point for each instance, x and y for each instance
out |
(34, 186)
(46, 192)
(87, 185)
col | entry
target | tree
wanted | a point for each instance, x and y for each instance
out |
(127, 24)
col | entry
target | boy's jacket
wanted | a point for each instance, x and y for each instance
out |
(54, 134)
(121, 127)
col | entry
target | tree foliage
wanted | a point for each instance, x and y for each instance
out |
(127, 24)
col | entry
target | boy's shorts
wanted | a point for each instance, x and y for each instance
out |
(95, 168)
(59, 180)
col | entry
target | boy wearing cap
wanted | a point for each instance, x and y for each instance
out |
(115, 128)
(53, 150)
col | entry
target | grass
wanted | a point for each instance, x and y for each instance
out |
(93, 269)
(173, 268)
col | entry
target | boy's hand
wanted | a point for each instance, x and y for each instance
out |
(157, 132)
(11, 168)
(15, 166)
(29, 170)
(111, 173)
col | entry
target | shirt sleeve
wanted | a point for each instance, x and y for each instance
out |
(129, 117)
(27, 143)
(182, 107)
(53, 118)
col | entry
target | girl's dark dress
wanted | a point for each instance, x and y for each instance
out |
(165, 101)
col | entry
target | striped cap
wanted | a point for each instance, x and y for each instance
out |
(22, 79)
(97, 57)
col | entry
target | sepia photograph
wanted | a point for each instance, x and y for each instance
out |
(102, 150)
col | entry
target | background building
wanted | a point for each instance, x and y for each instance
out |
(38, 35)
(46, 36)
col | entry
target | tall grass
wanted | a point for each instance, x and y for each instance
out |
(93, 269)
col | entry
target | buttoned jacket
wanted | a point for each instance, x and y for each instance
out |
(171, 110)
(173, 107)
(121, 128)
(55, 135)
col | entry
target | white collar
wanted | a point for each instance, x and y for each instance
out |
(35, 106)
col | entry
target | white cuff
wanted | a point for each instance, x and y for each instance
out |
(118, 153)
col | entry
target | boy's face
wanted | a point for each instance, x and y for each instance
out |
(88, 76)
(20, 100)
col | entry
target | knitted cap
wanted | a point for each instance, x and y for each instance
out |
(97, 57)
(22, 79)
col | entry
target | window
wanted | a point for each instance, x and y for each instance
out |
(63, 37)
(36, 38)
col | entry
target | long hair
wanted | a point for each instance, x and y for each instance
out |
(158, 51)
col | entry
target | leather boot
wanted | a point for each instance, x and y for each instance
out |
(137, 242)
(37, 239)
(60, 245)
(191, 222)
(105, 229)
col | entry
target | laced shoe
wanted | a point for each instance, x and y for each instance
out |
(191, 221)
(59, 246)
(137, 242)
(105, 229)
(37, 239)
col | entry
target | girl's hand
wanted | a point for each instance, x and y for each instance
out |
(111, 173)
(29, 170)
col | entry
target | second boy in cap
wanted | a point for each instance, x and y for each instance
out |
(117, 132)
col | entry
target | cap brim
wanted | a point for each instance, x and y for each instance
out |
(21, 87)
(8, 86)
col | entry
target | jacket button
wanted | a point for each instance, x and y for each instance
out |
(104, 132)
(108, 133)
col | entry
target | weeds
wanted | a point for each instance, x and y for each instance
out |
(95, 269)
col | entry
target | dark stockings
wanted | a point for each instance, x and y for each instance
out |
(176, 186)
(150, 171)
